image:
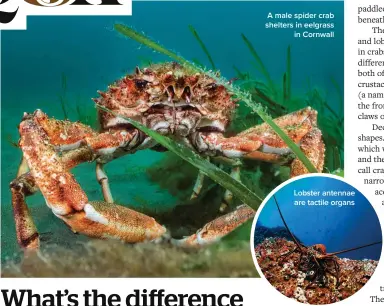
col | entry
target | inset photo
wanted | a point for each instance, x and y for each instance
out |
(317, 239)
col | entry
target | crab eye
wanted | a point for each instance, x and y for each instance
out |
(140, 84)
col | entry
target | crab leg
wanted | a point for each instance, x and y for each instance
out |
(198, 185)
(69, 202)
(67, 136)
(24, 185)
(218, 228)
(102, 178)
(313, 147)
(262, 143)
(70, 159)
(26, 231)
(228, 195)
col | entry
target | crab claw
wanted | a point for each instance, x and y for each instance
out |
(216, 229)
(107, 220)
(67, 199)
(262, 143)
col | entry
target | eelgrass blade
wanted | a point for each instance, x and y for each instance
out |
(325, 104)
(62, 97)
(216, 174)
(285, 90)
(64, 82)
(240, 94)
(339, 93)
(259, 62)
(337, 159)
(241, 75)
(278, 107)
(338, 172)
(197, 62)
(288, 74)
(12, 142)
(63, 108)
(127, 31)
(202, 45)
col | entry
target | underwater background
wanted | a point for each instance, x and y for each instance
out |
(338, 228)
(59, 63)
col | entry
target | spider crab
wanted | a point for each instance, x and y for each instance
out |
(172, 100)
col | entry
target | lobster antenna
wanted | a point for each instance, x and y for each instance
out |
(286, 226)
(353, 249)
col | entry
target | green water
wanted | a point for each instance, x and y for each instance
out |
(70, 58)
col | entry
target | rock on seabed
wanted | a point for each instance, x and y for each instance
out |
(284, 275)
